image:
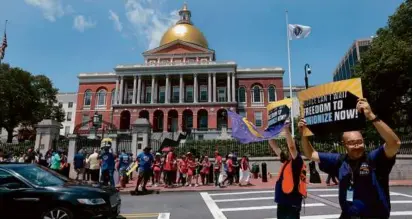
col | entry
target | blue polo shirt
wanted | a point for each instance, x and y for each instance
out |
(294, 198)
(108, 161)
(145, 161)
(371, 196)
(124, 161)
(78, 161)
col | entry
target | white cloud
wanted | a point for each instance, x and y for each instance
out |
(148, 22)
(115, 18)
(80, 23)
(51, 9)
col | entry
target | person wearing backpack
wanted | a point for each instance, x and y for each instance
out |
(363, 177)
(290, 188)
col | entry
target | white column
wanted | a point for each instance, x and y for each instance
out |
(233, 86)
(167, 89)
(214, 87)
(116, 91)
(195, 88)
(181, 88)
(121, 90)
(125, 93)
(139, 89)
(209, 87)
(134, 90)
(152, 88)
(155, 100)
(228, 87)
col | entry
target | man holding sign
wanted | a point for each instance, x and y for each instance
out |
(364, 177)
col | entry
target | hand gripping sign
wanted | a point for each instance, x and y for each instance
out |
(279, 112)
(331, 108)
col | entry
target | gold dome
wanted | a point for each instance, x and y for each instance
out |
(184, 32)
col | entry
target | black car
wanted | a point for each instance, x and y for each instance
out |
(33, 191)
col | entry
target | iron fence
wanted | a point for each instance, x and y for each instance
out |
(87, 145)
(16, 148)
(124, 143)
(262, 149)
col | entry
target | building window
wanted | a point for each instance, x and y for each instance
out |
(256, 94)
(101, 98)
(69, 116)
(113, 96)
(258, 119)
(70, 105)
(148, 94)
(189, 94)
(129, 96)
(241, 95)
(88, 98)
(222, 91)
(272, 95)
(203, 93)
(67, 130)
(175, 94)
(85, 121)
(162, 94)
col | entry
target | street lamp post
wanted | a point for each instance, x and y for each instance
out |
(307, 71)
(97, 122)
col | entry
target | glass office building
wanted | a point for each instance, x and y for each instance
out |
(345, 68)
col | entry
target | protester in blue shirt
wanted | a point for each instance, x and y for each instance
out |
(364, 177)
(79, 163)
(144, 160)
(289, 186)
(107, 166)
(124, 162)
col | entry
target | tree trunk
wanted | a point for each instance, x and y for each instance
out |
(9, 135)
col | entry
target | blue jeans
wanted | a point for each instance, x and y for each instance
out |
(103, 177)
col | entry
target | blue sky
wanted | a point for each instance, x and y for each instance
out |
(62, 38)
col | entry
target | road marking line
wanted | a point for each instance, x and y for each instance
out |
(244, 199)
(266, 191)
(331, 216)
(164, 215)
(212, 206)
(336, 195)
(401, 194)
(141, 214)
(266, 207)
(400, 201)
(325, 201)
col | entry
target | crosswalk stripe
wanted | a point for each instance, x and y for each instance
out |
(244, 199)
(164, 215)
(266, 207)
(391, 194)
(331, 216)
(400, 201)
(267, 191)
(212, 206)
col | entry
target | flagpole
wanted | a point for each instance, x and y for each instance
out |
(289, 76)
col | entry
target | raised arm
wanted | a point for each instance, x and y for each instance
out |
(308, 149)
(274, 147)
(290, 142)
(392, 141)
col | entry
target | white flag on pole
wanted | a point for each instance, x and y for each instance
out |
(297, 31)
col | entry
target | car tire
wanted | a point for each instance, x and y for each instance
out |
(57, 213)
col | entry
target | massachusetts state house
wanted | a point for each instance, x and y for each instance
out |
(180, 85)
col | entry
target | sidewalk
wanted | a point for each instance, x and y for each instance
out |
(257, 184)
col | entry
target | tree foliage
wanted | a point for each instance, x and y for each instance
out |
(386, 70)
(26, 99)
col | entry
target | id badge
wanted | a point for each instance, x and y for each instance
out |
(349, 195)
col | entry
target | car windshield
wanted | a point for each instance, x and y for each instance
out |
(40, 176)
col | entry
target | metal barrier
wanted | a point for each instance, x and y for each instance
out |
(16, 149)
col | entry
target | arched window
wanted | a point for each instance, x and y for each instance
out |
(113, 96)
(87, 100)
(241, 95)
(256, 94)
(101, 98)
(272, 95)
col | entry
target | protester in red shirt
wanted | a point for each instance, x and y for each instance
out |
(157, 169)
(191, 168)
(244, 173)
(217, 168)
(205, 170)
(230, 170)
(168, 169)
(183, 169)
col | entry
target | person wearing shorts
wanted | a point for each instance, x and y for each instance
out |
(144, 160)
(157, 169)
(124, 162)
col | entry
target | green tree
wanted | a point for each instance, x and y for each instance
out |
(386, 69)
(26, 99)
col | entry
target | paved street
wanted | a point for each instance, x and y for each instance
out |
(259, 204)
